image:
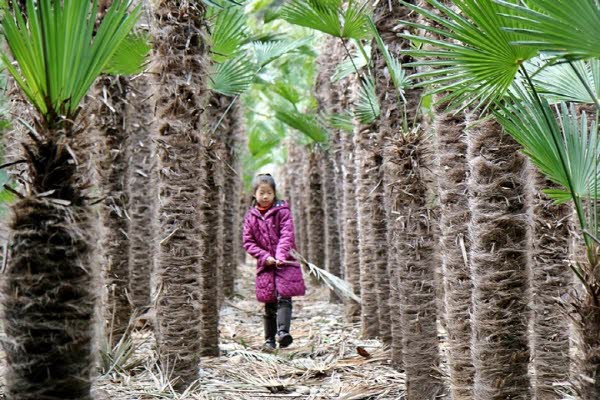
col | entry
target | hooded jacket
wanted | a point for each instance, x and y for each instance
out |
(272, 235)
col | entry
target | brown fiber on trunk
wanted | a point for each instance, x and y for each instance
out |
(232, 188)
(551, 281)
(452, 170)
(315, 210)
(327, 98)
(142, 192)
(294, 186)
(50, 283)
(112, 164)
(180, 69)
(499, 233)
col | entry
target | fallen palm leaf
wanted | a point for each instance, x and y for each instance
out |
(338, 285)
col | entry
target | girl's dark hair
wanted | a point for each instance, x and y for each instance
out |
(262, 179)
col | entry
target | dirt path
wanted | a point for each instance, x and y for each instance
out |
(322, 363)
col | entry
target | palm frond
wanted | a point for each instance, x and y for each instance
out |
(59, 52)
(343, 121)
(131, 56)
(350, 65)
(561, 82)
(268, 51)
(569, 27)
(261, 140)
(338, 285)
(307, 124)
(332, 17)
(287, 91)
(233, 76)
(367, 107)
(567, 156)
(476, 59)
(229, 32)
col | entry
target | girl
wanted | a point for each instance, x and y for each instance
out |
(269, 237)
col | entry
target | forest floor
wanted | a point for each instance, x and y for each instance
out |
(322, 363)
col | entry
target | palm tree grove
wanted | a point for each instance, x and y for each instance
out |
(300, 199)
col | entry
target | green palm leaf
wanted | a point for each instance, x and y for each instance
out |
(232, 77)
(131, 56)
(307, 124)
(347, 67)
(343, 121)
(476, 58)
(228, 34)
(59, 51)
(568, 157)
(330, 17)
(287, 91)
(562, 82)
(566, 26)
(367, 107)
(267, 52)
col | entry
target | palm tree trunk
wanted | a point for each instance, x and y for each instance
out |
(315, 210)
(180, 68)
(295, 180)
(113, 170)
(142, 194)
(499, 233)
(551, 282)
(232, 191)
(50, 281)
(452, 170)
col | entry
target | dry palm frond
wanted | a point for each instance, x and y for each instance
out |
(119, 358)
(338, 285)
(257, 356)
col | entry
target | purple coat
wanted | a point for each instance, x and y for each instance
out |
(272, 235)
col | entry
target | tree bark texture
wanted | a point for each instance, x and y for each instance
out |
(50, 284)
(112, 164)
(232, 220)
(180, 69)
(551, 279)
(499, 254)
(452, 171)
(142, 192)
(315, 210)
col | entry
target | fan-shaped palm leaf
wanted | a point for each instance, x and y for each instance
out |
(476, 58)
(564, 81)
(59, 51)
(350, 65)
(307, 124)
(343, 121)
(262, 139)
(228, 33)
(330, 16)
(367, 107)
(567, 156)
(566, 26)
(233, 76)
(287, 91)
(266, 52)
(131, 55)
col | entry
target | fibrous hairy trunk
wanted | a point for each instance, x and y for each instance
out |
(499, 233)
(219, 124)
(327, 98)
(452, 172)
(232, 190)
(50, 283)
(372, 233)
(181, 96)
(315, 210)
(408, 157)
(294, 178)
(303, 200)
(551, 280)
(112, 164)
(142, 192)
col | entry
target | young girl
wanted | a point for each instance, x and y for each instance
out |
(269, 237)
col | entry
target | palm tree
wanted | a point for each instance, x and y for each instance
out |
(565, 152)
(110, 111)
(181, 94)
(315, 211)
(49, 293)
(141, 192)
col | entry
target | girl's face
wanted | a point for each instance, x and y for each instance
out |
(264, 194)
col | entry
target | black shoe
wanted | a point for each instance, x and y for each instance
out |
(284, 339)
(270, 345)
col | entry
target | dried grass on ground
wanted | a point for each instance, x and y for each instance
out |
(323, 363)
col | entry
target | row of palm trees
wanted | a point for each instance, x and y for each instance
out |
(445, 198)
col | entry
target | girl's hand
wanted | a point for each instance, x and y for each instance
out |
(279, 263)
(270, 262)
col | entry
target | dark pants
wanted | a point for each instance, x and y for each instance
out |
(280, 312)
